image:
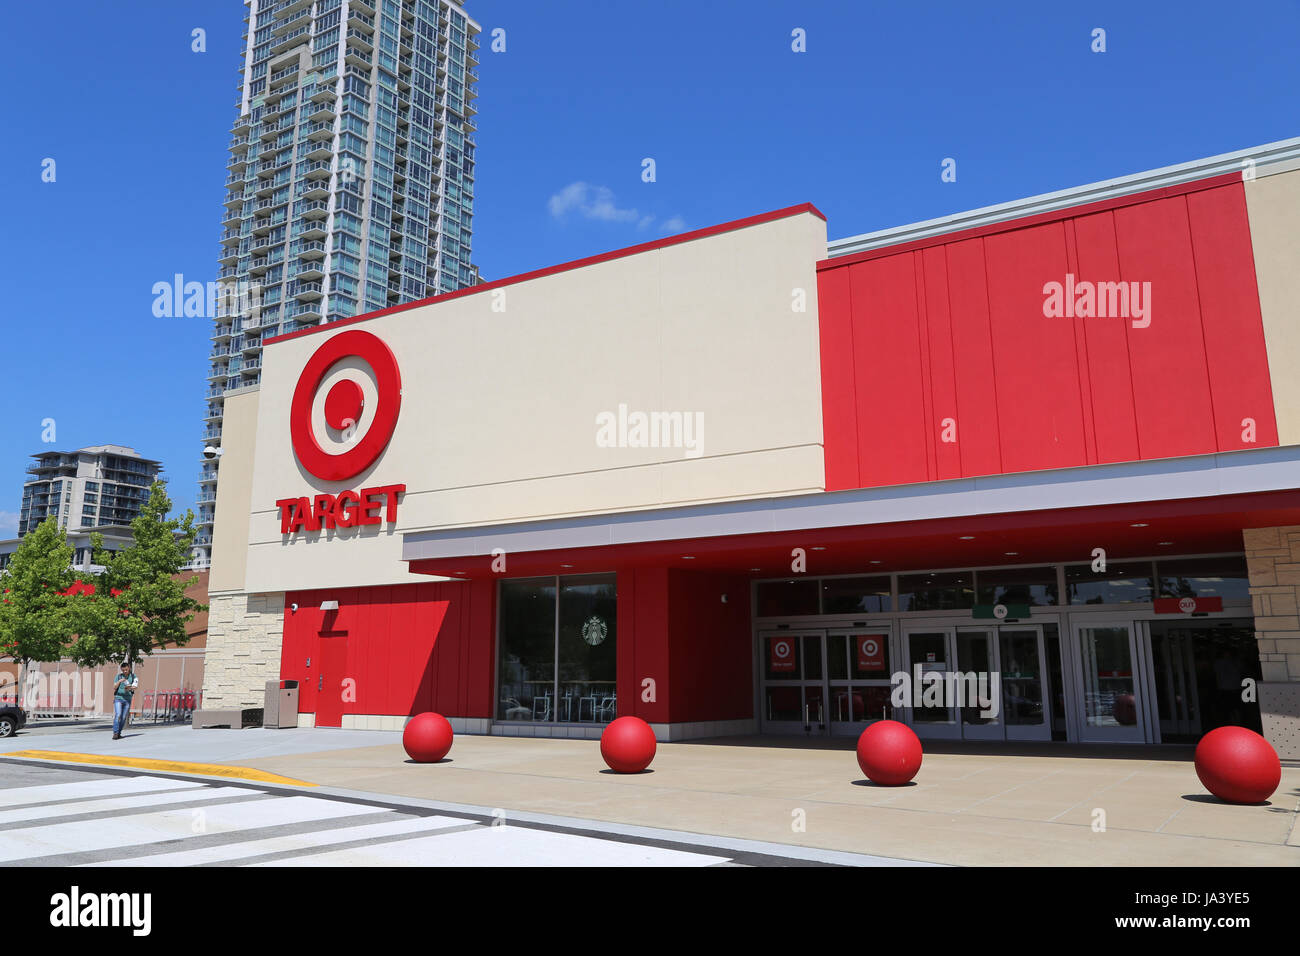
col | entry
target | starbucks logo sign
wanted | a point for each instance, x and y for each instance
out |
(594, 631)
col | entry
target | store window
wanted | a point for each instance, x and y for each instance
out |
(1224, 577)
(789, 597)
(1033, 586)
(558, 649)
(855, 595)
(1118, 583)
(936, 591)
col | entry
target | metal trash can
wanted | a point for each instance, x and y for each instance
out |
(281, 705)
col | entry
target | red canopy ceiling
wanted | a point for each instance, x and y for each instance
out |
(1186, 526)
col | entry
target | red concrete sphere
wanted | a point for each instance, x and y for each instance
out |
(427, 737)
(889, 753)
(628, 745)
(1238, 765)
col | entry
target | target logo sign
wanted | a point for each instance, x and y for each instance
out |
(344, 408)
(342, 416)
(871, 652)
(782, 655)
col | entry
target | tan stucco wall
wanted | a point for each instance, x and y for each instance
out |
(499, 407)
(234, 492)
(1273, 204)
(244, 650)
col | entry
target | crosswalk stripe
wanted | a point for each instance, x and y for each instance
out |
(89, 836)
(503, 846)
(120, 803)
(298, 841)
(108, 786)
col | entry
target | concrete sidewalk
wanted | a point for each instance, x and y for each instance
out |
(1033, 806)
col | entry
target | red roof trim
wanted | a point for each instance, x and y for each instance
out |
(732, 226)
(1023, 222)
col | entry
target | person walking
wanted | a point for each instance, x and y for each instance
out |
(123, 690)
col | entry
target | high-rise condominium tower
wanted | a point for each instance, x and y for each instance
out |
(351, 182)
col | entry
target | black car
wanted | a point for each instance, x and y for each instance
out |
(12, 719)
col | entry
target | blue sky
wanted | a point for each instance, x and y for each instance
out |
(736, 122)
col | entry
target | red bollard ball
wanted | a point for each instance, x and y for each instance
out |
(1238, 765)
(889, 753)
(628, 745)
(427, 737)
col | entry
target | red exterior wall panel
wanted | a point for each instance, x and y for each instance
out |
(710, 677)
(958, 322)
(409, 648)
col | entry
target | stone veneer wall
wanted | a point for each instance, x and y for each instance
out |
(1273, 561)
(245, 633)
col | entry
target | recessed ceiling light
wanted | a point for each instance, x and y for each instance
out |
(1139, 524)
(1164, 542)
(688, 557)
(875, 562)
(756, 569)
(968, 537)
(819, 549)
(1011, 554)
(566, 565)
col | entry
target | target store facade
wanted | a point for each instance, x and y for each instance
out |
(743, 480)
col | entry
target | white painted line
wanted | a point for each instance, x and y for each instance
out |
(503, 846)
(126, 805)
(105, 786)
(91, 835)
(280, 844)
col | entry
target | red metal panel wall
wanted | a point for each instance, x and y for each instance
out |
(643, 642)
(711, 646)
(410, 647)
(954, 328)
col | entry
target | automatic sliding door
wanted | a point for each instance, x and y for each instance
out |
(1024, 681)
(1112, 707)
(793, 693)
(927, 651)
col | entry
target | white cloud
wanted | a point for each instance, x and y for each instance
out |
(8, 524)
(675, 224)
(590, 202)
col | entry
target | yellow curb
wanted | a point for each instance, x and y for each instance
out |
(163, 766)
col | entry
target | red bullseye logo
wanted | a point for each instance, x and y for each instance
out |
(346, 406)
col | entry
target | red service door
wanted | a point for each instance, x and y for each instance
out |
(329, 681)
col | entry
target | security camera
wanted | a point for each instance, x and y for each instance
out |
(293, 608)
(211, 452)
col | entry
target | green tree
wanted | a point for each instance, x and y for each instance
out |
(140, 603)
(36, 620)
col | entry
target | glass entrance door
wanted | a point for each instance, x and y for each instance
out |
(1174, 669)
(999, 685)
(793, 696)
(1022, 664)
(858, 670)
(931, 650)
(1113, 708)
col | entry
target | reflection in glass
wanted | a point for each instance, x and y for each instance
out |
(935, 591)
(1022, 681)
(784, 598)
(855, 595)
(1223, 577)
(1120, 583)
(929, 652)
(588, 641)
(527, 650)
(975, 656)
(1107, 677)
(580, 685)
(1033, 586)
